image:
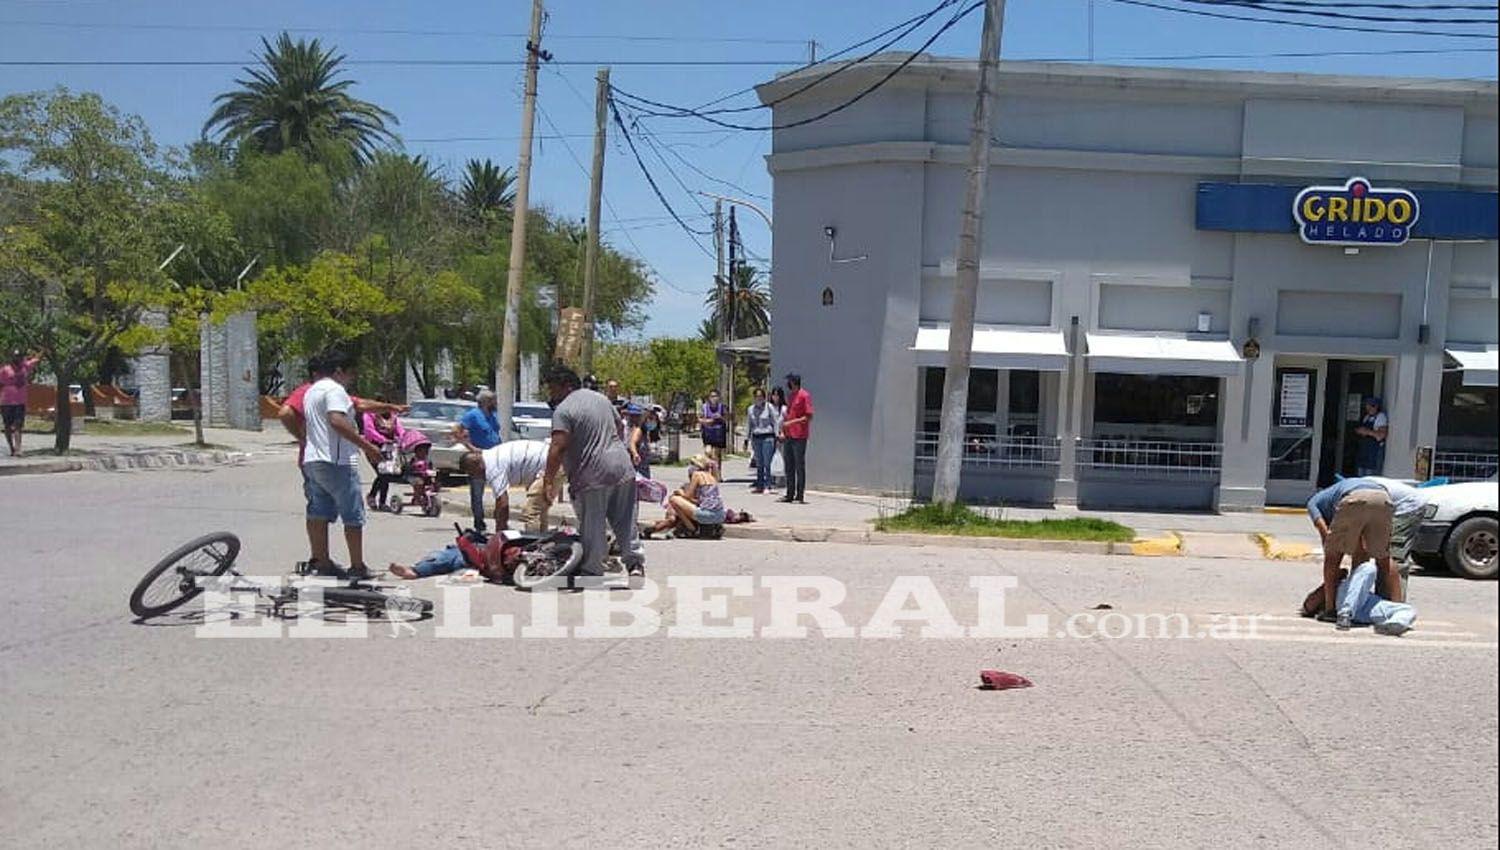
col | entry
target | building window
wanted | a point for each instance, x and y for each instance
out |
(1175, 407)
(984, 397)
(1467, 416)
(1023, 416)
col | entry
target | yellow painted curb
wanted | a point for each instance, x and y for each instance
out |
(1169, 545)
(1283, 510)
(1277, 551)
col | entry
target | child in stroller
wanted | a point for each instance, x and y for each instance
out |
(417, 470)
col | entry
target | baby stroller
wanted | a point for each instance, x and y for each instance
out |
(417, 469)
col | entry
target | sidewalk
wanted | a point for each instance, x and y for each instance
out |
(94, 450)
(848, 517)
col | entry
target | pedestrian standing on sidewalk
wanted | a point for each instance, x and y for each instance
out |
(763, 420)
(15, 379)
(479, 429)
(798, 429)
(713, 427)
(601, 482)
(778, 401)
(331, 466)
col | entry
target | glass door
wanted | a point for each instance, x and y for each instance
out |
(1296, 430)
(1359, 381)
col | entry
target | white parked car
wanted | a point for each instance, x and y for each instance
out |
(530, 420)
(437, 417)
(1460, 529)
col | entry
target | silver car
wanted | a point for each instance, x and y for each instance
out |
(438, 419)
(530, 420)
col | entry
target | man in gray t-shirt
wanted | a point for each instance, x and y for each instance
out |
(601, 480)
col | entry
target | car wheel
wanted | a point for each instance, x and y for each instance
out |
(1472, 547)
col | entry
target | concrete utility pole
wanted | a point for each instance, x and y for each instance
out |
(719, 281)
(596, 192)
(510, 342)
(966, 286)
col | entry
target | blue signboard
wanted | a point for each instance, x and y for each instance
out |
(1274, 208)
(1355, 213)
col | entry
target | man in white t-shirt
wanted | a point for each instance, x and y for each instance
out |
(330, 466)
(518, 463)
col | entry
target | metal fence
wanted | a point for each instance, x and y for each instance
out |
(1464, 466)
(1167, 457)
(1012, 452)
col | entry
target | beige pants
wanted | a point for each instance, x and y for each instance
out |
(538, 503)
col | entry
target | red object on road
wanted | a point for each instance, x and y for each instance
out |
(999, 680)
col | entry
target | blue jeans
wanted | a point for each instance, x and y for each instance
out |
(444, 561)
(333, 492)
(1357, 598)
(764, 448)
(476, 501)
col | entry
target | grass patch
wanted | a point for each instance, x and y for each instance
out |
(965, 522)
(130, 428)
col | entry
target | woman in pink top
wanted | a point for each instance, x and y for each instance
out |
(15, 377)
(385, 431)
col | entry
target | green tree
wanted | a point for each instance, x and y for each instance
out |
(82, 234)
(487, 190)
(294, 100)
(747, 299)
(282, 206)
(305, 309)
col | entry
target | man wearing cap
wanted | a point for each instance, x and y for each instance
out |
(601, 481)
(1369, 458)
(796, 428)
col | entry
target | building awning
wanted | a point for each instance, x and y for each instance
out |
(748, 348)
(1480, 363)
(996, 347)
(1162, 355)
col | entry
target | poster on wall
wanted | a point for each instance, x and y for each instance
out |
(1295, 396)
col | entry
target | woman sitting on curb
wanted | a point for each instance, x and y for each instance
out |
(697, 503)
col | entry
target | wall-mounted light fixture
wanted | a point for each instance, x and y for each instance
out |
(832, 233)
(1205, 322)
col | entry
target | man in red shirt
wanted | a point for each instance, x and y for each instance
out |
(294, 420)
(796, 429)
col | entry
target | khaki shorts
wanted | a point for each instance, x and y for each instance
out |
(1364, 515)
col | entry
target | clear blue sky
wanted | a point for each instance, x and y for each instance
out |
(453, 113)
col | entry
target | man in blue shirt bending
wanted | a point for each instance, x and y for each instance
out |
(479, 429)
(1354, 515)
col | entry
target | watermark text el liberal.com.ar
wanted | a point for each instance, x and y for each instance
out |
(729, 607)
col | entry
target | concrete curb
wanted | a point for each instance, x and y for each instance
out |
(1170, 544)
(1275, 550)
(162, 459)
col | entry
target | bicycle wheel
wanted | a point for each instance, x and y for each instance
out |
(375, 603)
(550, 566)
(174, 579)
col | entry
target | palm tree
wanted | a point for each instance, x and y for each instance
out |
(750, 300)
(293, 101)
(487, 188)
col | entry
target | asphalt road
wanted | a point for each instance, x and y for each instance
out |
(122, 734)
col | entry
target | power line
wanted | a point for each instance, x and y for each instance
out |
(433, 63)
(614, 215)
(1413, 7)
(417, 32)
(1322, 12)
(1304, 24)
(625, 133)
(680, 112)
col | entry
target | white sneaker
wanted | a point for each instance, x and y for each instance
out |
(1392, 628)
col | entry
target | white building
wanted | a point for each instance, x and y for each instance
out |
(1140, 240)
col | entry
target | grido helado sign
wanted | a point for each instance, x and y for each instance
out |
(1355, 213)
